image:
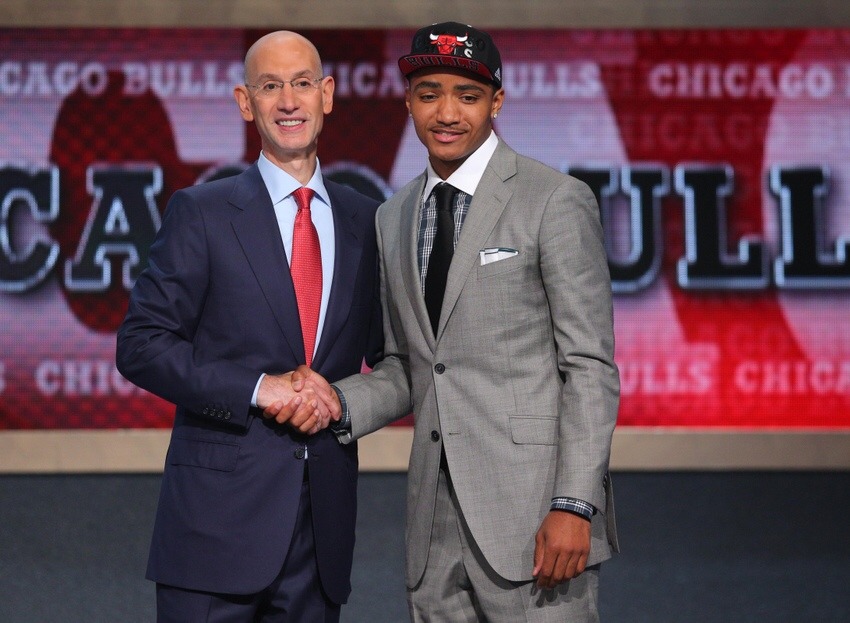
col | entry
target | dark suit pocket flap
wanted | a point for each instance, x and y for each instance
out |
(535, 430)
(208, 454)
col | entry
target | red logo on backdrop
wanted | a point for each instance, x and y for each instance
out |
(90, 132)
(446, 44)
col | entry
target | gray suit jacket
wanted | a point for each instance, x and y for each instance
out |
(519, 384)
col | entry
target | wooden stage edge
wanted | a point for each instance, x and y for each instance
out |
(634, 449)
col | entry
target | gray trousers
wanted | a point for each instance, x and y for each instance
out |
(460, 586)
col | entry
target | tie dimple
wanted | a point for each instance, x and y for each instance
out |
(306, 270)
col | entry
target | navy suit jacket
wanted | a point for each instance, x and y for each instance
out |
(214, 309)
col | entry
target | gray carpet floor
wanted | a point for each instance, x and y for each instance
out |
(697, 547)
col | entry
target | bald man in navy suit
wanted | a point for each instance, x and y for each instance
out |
(256, 515)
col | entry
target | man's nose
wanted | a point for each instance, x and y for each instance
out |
(448, 111)
(287, 99)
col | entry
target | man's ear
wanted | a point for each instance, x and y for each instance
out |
(327, 87)
(498, 100)
(243, 100)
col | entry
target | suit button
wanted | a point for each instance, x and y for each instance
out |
(206, 411)
(299, 453)
(439, 368)
(435, 436)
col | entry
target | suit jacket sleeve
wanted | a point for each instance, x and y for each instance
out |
(575, 276)
(155, 348)
(384, 395)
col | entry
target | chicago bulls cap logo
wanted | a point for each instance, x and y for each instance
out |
(454, 45)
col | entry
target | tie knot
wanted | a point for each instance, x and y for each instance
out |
(444, 194)
(303, 196)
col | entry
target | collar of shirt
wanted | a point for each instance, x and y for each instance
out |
(468, 174)
(281, 184)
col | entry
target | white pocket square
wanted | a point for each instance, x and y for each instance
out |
(496, 254)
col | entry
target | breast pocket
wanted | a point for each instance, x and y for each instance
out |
(501, 267)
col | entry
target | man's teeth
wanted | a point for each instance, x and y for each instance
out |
(289, 122)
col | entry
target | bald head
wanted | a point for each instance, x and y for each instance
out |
(282, 41)
(287, 98)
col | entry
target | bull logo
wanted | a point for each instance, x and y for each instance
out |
(446, 44)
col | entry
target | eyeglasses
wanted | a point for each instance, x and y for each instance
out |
(273, 88)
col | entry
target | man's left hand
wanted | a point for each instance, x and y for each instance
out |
(561, 548)
(303, 378)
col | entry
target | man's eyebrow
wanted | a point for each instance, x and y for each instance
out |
(304, 73)
(427, 84)
(471, 86)
(467, 86)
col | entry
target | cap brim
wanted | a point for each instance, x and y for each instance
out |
(415, 62)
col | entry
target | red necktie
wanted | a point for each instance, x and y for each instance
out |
(306, 269)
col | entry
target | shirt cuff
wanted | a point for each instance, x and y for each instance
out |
(257, 390)
(572, 505)
(344, 424)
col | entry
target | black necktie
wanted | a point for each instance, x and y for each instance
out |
(441, 253)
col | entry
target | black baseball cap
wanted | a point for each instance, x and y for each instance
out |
(454, 45)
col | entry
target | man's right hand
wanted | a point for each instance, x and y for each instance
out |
(306, 379)
(302, 398)
(279, 401)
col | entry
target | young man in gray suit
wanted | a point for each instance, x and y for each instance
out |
(499, 335)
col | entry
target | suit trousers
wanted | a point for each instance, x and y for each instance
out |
(460, 586)
(295, 595)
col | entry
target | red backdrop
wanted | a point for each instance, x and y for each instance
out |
(719, 159)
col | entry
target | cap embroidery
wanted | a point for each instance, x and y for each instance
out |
(446, 44)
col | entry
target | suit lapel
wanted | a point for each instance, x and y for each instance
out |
(409, 233)
(258, 233)
(486, 208)
(348, 249)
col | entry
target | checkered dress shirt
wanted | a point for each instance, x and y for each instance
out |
(428, 227)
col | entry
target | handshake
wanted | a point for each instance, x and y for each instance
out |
(301, 398)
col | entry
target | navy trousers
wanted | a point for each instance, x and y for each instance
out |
(295, 596)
